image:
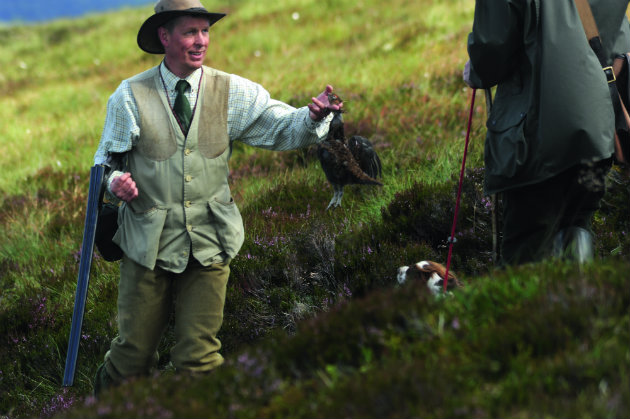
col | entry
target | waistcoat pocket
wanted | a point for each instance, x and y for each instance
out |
(138, 234)
(227, 219)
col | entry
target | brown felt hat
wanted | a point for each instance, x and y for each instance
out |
(166, 10)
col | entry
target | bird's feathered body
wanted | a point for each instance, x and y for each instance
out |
(347, 162)
(363, 152)
(341, 166)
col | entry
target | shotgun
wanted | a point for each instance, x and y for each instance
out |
(87, 250)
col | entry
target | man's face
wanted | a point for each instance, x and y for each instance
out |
(186, 45)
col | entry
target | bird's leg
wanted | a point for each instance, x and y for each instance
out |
(332, 201)
(336, 199)
(339, 196)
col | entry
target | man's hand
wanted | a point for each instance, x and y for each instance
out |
(321, 106)
(466, 75)
(124, 187)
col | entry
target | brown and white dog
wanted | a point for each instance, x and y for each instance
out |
(432, 273)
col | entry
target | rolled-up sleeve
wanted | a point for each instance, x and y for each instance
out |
(256, 119)
(121, 127)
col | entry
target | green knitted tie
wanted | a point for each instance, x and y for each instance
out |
(182, 106)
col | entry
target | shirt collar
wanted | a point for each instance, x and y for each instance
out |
(170, 79)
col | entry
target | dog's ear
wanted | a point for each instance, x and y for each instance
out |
(434, 267)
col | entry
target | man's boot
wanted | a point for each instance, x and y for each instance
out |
(102, 380)
(574, 243)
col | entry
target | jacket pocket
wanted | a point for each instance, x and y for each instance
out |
(139, 234)
(228, 222)
(506, 148)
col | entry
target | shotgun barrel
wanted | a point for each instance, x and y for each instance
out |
(87, 250)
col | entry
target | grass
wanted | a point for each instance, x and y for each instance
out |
(314, 324)
(422, 358)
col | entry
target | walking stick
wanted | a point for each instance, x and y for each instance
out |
(459, 189)
(87, 250)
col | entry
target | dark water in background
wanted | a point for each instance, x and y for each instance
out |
(33, 11)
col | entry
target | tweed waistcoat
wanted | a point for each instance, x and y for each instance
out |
(184, 205)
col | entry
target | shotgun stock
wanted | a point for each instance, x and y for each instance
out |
(87, 250)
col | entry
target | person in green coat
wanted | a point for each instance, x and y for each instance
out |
(550, 137)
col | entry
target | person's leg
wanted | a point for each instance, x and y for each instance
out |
(531, 215)
(199, 301)
(535, 215)
(574, 240)
(144, 306)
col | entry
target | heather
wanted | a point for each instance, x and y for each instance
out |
(315, 323)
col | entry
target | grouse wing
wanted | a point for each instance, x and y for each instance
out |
(366, 157)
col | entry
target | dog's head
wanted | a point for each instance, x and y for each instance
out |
(431, 273)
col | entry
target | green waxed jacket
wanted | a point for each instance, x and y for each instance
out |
(552, 108)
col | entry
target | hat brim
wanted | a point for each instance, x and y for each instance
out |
(148, 39)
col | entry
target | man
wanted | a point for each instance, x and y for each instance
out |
(178, 225)
(551, 128)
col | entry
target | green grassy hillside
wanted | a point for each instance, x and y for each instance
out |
(314, 324)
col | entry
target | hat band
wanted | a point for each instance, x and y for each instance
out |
(195, 10)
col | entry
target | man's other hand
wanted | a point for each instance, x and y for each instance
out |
(124, 187)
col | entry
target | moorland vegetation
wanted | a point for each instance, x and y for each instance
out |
(315, 324)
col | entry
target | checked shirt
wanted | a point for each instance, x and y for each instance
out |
(254, 118)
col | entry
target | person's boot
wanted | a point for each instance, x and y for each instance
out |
(574, 243)
(102, 380)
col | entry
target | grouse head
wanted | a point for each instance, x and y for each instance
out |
(334, 99)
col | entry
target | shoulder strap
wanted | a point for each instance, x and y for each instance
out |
(588, 21)
(594, 40)
(592, 34)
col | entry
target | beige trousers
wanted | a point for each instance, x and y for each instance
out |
(146, 299)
